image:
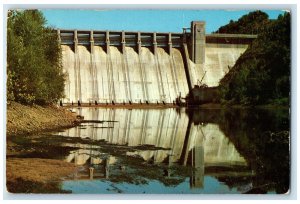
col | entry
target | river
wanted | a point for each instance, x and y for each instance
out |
(174, 151)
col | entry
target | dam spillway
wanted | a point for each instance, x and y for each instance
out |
(123, 77)
(143, 67)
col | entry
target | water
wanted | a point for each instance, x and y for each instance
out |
(153, 186)
(179, 151)
(203, 151)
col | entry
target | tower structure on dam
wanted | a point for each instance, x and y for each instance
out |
(144, 67)
(197, 42)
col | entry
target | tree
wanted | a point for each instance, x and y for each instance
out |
(247, 24)
(34, 70)
(262, 74)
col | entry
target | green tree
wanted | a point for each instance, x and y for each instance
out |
(34, 70)
(262, 74)
(252, 23)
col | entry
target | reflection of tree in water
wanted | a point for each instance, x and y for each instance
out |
(261, 137)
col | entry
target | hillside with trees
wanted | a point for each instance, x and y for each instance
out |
(262, 74)
(34, 71)
(253, 23)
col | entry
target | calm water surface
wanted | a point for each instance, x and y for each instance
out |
(179, 151)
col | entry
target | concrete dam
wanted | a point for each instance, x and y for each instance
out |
(144, 67)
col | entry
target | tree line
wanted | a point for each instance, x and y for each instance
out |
(34, 70)
(262, 74)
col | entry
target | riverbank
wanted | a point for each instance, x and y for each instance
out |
(25, 120)
(33, 175)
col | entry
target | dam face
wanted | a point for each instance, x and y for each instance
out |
(138, 67)
(123, 77)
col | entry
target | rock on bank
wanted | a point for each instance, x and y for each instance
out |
(21, 119)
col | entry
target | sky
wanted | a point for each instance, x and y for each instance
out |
(143, 20)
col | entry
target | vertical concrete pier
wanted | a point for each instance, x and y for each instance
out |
(154, 44)
(75, 41)
(139, 43)
(58, 37)
(92, 41)
(198, 42)
(123, 42)
(170, 44)
(107, 42)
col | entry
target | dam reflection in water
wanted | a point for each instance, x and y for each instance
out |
(181, 143)
(164, 128)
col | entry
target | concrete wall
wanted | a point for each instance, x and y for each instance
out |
(197, 43)
(122, 77)
(143, 67)
(218, 59)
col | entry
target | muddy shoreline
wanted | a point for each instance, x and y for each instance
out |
(26, 120)
(24, 175)
(37, 175)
